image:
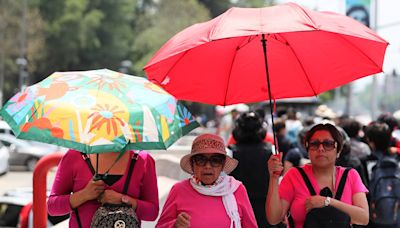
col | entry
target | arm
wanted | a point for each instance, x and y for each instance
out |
(148, 202)
(61, 201)
(58, 202)
(275, 208)
(358, 212)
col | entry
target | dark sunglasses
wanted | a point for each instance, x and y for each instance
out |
(327, 144)
(215, 160)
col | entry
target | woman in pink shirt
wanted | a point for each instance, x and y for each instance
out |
(323, 143)
(210, 198)
(75, 192)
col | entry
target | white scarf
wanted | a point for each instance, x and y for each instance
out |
(225, 186)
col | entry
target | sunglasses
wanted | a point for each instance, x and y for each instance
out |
(215, 160)
(327, 144)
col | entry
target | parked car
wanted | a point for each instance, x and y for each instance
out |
(5, 128)
(16, 209)
(25, 153)
(4, 156)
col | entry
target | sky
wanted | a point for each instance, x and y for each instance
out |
(388, 27)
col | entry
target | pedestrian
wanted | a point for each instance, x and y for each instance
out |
(77, 193)
(284, 144)
(297, 155)
(252, 153)
(384, 178)
(323, 143)
(227, 124)
(209, 198)
(352, 128)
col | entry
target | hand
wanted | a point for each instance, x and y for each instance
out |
(275, 166)
(182, 221)
(315, 202)
(93, 189)
(110, 196)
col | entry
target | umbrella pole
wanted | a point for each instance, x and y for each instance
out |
(264, 44)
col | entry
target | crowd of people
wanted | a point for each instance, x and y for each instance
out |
(326, 173)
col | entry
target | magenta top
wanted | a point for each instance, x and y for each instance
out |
(73, 174)
(205, 211)
(295, 191)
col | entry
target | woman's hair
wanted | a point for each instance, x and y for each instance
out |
(249, 128)
(335, 133)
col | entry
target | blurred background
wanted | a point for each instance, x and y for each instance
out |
(39, 37)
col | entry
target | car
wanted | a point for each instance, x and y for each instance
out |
(25, 153)
(5, 128)
(16, 209)
(4, 156)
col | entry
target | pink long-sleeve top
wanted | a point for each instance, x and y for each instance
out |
(73, 174)
(205, 211)
(295, 191)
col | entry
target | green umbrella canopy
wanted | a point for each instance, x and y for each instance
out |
(98, 111)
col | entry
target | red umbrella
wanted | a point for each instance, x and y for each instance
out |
(254, 54)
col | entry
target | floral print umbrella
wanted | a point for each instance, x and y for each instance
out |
(98, 111)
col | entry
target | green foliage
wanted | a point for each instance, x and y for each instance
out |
(11, 19)
(166, 19)
(83, 34)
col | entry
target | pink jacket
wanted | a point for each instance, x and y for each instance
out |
(73, 174)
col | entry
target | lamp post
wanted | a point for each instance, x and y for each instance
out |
(21, 61)
(23, 74)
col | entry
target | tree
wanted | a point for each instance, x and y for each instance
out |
(166, 18)
(84, 34)
(10, 43)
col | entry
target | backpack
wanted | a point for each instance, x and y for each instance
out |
(384, 190)
(326, 217)
(114, 215)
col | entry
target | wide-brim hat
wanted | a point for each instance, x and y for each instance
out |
(208, 144)
(325, 112)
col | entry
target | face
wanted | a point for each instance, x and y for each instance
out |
(207, 167)
(322, 149)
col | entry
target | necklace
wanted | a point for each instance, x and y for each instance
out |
(334, 181)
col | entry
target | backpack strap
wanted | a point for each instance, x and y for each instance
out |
(307, 181)
(128, 178)
(342, 183)
(311, 189)
(87, 160)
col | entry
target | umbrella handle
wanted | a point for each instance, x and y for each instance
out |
(279, 155)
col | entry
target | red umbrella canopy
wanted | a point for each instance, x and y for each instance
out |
(222, 61)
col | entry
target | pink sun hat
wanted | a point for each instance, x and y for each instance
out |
(208, 144)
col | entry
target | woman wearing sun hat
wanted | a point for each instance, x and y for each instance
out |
(209, 198)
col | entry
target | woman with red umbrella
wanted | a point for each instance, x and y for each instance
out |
(340, 189)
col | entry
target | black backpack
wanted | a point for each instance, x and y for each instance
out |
(326, 217)
(384, 192)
